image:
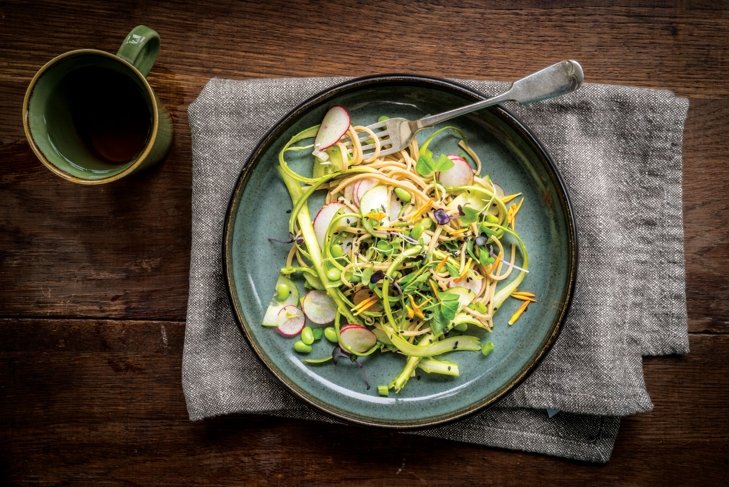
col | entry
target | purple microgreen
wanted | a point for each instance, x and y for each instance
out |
(441, 217)
(377, 276)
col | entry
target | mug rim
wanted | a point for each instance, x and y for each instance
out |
(138, 160)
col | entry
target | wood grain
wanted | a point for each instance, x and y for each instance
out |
(93, 281)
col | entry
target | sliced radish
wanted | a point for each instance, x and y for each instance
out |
(319, 307)
(323, 218)
(270, 318)
(461, 174)
(333, 126)
(472, 200)
(456, 157)
(361, 187)
(393, 211)
(356, 338)
(377, 199)
(291, 320)
(348, 192)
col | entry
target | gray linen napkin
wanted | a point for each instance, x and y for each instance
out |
(619, 151)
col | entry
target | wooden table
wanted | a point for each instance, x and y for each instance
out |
(94, 280)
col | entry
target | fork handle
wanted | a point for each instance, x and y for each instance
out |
(555, 80)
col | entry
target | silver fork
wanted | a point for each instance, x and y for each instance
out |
(395, 133)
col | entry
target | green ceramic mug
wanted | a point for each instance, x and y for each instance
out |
(91, 116)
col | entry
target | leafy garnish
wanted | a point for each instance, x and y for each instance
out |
(444, 313)
(470, 215)
(426, 164)
(484, 257)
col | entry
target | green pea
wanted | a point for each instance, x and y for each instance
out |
(492, 218)
(487, 348)
(330, 333)
(417, 231)
(333, 274)
(383, 390)
(307, 335)
(382, 118)
(461, 327)
(384, 245)
(302, 347)
(427, 223)
(404, 196)
(282, 291)
(337, 250)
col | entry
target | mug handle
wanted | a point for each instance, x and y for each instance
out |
(140, 48)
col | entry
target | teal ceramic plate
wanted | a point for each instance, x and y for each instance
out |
(514, 159)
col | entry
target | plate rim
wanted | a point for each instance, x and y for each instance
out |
(280, 127)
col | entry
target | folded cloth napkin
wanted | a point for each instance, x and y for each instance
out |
(619, 152)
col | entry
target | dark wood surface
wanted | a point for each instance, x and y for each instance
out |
(93, 280)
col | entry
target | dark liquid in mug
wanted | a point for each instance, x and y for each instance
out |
(109, 112)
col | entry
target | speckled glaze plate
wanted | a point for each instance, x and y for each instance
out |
(514, 159)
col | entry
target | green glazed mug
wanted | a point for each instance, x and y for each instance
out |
(91, 117)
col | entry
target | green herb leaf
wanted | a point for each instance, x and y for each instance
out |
(366, 275)
(438, 323)
(470, 215)
(449, 305)
(452, 270)
(444, 313)
(426, 164)
(484, 257)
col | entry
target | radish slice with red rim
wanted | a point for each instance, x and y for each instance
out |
(270, 317)
(461, 174)
(393, 211)
(323, 218)
(333, 126)
(356, 339)
(319, 307)
(361, 187)
(291, 320)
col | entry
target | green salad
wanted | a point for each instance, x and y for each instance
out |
(411, 254)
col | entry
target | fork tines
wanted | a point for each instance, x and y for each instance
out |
(380, 130)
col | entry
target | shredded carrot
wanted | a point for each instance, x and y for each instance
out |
(524, 296)
(416, 309)
(466, 268)
(457, 232)
(518, 312)
(510, 197)
(433, 287)
(428, 205)
(409, 311)
(512, 211)
(364, 305)
(375, 215)
(524, 293)
(441, 264)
